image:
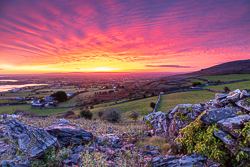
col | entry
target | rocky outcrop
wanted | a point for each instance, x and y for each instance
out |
(189, 160)
(215, 115)
(231, 124)
(67, 134)
(222, 111)
(32, 142)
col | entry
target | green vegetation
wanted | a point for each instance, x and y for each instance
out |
(38, 111)
(141, 105)
(60, 96)
(79, 99)
(199, 138)
(170, 101)
(86, 114)
(111, 115)
(196, 84)
(232, 86)
(225, 78)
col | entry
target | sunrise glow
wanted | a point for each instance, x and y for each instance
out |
(89, 36)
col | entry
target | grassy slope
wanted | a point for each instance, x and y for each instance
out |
(11, 109)
(141, 105)
(194, 97)
(224, 78)
(73, 102)
(232, 86)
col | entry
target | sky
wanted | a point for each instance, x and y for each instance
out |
(42, 36)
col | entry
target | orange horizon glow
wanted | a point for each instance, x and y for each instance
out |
(121, 36)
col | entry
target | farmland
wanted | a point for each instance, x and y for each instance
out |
(169, 101)
(226, 78)
(232, 86)
(27, 108)
(141, 105)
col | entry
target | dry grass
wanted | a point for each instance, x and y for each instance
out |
(97, 127)
(159, 143)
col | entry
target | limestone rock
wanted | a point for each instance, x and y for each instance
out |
(229, 125)
(62, 121)
(244, 94)
(67, 134)
(234, 96)
(189, 160)
(241, 104)
(220, 96)
(15, 128)
(33, 143)
(216, 115)
(225, 138)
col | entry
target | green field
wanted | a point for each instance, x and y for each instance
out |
(73, 101)
(225, 78)
(170, 101)
(232, 86)
(141, 105)
(192, 81)
(38, 111)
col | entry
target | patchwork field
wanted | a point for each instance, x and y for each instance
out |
(232, 86)
(169, 101)
(73, 101)
(142, 105)
(38, 111)
(225, 78)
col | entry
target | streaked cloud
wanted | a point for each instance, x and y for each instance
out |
(172, 66)
(123, 34)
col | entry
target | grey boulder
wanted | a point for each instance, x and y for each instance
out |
(215, 115)
(229, 125)
(33, 143)
(241, 104)
(234, 96)
(189, 160)
(15, 128)
(67, 134)
(220, 96)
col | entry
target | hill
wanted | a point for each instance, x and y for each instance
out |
(233, 67)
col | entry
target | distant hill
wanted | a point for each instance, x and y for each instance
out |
(233, 67)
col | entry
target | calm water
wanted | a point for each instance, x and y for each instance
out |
(5, 88)
(7, 80)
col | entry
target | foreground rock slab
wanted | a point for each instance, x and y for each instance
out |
(189, 160)
(216, 115)
(67, 134)
(32, 142)
(229, 125)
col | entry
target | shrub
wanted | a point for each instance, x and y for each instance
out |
(112, 115)
(68, 113)
(226, 89)
(199, 138)
(86, 114)
(60, 96)
(196, 83)
(134, 115)
(152, 105)
(100, 113)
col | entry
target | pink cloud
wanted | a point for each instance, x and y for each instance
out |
(141, 31)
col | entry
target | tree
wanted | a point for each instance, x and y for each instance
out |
(196, 84)
(60, 96)
(226, 89)
(86, 114)
(152, 105)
